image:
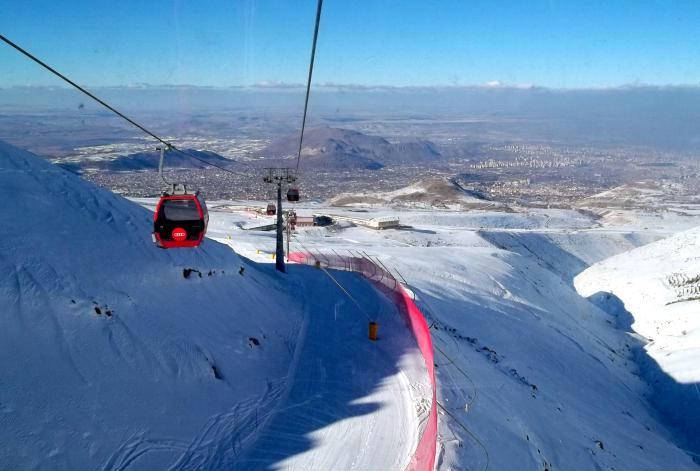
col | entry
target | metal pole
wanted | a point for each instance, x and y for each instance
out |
(289, 235)
(161, 162)
(279, 253)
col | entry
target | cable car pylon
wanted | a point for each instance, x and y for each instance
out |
(279, 176)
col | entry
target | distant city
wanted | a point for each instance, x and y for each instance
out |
(529, 158)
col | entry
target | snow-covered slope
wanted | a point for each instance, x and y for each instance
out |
(655, 292)
(117, 355)
(533, 375)
(567, 253)
(537, 374)
(534, 371)
(109, 355)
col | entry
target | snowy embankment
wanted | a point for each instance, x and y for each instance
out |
(534, 371)
(353, 404)
(654, 293)
(118, 355)
(530, 374)
(110, 356)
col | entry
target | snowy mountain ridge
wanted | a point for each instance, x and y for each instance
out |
(105, 344)
(654, 292)
(116, 356)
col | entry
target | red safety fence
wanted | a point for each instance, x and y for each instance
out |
(423, 458)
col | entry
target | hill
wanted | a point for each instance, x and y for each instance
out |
(435, 192)
(335, 148)
(149, 161)
(531, 375)
(654, 292)
(105, 338)
(638, 194)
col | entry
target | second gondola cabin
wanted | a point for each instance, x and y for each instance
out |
(293, 194)
(180, 221)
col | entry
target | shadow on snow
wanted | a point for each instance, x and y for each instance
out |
(337, 367)
(677, 405)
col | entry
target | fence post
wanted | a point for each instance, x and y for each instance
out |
(340, 259)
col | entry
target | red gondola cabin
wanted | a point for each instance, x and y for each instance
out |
(293, 194)
(271, 209)
(180, 221)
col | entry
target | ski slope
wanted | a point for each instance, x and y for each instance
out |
(353, 404)
(653, 292)
(531, 375)
(112, 358)
(117, 355)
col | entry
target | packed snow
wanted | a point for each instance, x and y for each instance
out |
(531, 375)
(654, 292)
(119, 355)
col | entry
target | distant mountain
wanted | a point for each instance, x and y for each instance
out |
(326, 147)
(149, 161)
(435, 192)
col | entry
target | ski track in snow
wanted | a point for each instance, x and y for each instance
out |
(214, 447)
(537, 378)
(110, 357)
(344, 398)
(349, 398)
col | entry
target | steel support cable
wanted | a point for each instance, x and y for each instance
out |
(440, 350)
(454, 364)
(471, 434)
(468, 404)
(347, 293)
(308, 80)
(342, 288)
(444, 409)
(107, 105)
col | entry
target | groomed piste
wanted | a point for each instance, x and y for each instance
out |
(423, 458)
(126, 356)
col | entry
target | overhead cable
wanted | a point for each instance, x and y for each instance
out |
(308, 80)
(168, 145)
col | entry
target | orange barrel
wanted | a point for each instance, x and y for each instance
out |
(373, 327)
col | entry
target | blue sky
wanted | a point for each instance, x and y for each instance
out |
(575, 44)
